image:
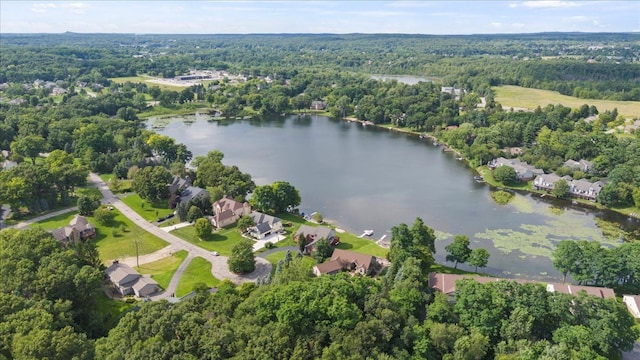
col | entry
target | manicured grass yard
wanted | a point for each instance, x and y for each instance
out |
(162, 270)
(516, 96)
(112, 241)
(198, 271)
(488, 177)
(106, 177)
(150, 211)
(221, 241)
(366, 246)
(275, 257)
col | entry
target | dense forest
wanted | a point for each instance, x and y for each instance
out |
(48, 294)
(547, 61)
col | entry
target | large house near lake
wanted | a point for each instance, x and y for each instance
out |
(182, 190)
(227, 212)
(313, 234)
(582, 188)
(264, 225)
(343, 260)
(127, 281)
(446, 284)
(79, 229)
(524, 171)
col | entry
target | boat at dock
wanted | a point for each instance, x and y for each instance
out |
(367, 233)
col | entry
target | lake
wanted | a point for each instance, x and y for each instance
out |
(372, 178)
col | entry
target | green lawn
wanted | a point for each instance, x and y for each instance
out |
(366, 246)
(162, 270)
(112, 309)
(488, 177)
(112, 241)
(221, 241)
(516, 96)
(148, 210)
(277, 256)
(198, 271)
(106, 177)
(87, 191)
(450, 270)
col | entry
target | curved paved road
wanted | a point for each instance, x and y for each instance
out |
(219, 267)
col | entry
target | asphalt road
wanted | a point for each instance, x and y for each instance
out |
(219, 268)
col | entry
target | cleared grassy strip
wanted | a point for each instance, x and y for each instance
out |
(116, 240)
(275, 257)
(198, 271)
(162, 270)
(148, 210)
(221, 241)
(516, 96)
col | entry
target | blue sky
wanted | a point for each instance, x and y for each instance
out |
(217, 17)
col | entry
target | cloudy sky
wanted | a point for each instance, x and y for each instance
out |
(216, 17)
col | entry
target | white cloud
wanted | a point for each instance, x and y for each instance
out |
(76, 7)
(550, 4)
(496, 24)
(518, 25)
(409, 4)
(513, 5)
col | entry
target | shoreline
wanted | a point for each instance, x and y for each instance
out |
(447, 148)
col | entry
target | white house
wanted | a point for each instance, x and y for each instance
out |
(265, 225)
(633, 304)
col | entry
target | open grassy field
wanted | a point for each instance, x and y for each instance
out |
(221, 241)
(198, 271)
(146, 80)
(149, 211)
(520, 97)
(115, 240)
(162, 270)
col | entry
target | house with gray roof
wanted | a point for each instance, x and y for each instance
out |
(127, 281)
(79, 229)
(581, 165)
(265, 225)
(585, 189)
(312, 235)
(524, 171)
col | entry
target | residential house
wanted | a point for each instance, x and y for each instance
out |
(227, 212)
(347, 260)
(524, 171)
(313, 234)
(265, 225)
(79, 229)
(5, 154)
(582, 165)
(127, 281)
(603, 293)
(453, 91)
(318, 105)
(58, 91)
(584, 189)
(512, 151)
(446, 283)
(633, 304)
(17, 101)
(546, 181)
(182, 190)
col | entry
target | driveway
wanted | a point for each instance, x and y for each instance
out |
(219, 267)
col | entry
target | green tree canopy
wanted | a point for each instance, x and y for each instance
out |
(242, 259)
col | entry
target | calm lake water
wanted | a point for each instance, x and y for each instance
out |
(371, 178)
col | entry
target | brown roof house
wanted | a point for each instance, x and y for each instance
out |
(347, 260)
(633, 304)
(603, 293)
(78, 230)
(312, 235)
(227, 212)
(127, 281)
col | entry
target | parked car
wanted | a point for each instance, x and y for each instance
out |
(215, 253)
